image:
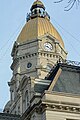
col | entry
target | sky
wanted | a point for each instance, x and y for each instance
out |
(13, 18)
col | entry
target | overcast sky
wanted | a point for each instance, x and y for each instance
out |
(12, 19)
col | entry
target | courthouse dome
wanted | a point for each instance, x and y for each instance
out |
(38, 24)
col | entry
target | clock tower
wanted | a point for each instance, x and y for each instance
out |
(37, 49)
(39, 45)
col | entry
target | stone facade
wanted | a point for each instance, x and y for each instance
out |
(33, 58)
(54, 103)
(39, 85)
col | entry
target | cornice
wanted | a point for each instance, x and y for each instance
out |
(39, 54)
(62, 108)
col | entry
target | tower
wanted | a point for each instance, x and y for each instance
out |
(36, 50)
(39, 46)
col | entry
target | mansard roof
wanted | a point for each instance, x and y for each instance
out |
(64, 77)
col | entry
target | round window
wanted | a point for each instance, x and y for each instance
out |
(29, 65)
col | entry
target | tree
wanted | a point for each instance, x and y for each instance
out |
(70, 4)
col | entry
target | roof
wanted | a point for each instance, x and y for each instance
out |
(38, 24)
(37, 27)
(65, 78)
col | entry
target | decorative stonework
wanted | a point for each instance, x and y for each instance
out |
(61, 107)
(45, 54)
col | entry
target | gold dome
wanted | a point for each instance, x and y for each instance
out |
(37, 27)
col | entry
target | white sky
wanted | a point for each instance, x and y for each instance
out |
(12, 18)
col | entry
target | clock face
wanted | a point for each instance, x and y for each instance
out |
(48, 46)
